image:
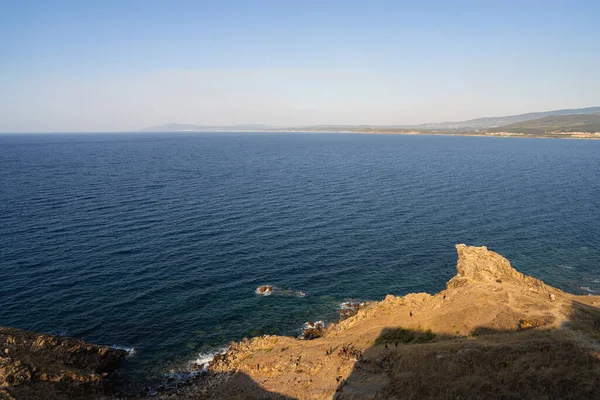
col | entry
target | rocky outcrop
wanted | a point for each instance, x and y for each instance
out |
(264, 290)
(34, 365)
(480, 265)
(491, 324)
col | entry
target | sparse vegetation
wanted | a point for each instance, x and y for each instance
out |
(404, 336)
(534, 364)
(555, 124)
(350, 351)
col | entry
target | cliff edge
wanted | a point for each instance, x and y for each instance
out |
(493, 332)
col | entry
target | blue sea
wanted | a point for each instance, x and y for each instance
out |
(157, 241)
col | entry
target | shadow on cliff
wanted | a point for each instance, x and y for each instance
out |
(237, 386)
(527, 362)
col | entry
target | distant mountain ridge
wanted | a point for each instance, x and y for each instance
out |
(493, 122)
(554, 123)
(470, 125)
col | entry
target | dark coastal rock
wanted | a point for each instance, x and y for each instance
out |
(313, 330)
(349, 309)
(36, 366)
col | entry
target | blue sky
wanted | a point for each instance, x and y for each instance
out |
(123, 65)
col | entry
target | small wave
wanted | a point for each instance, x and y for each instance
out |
(588, 289)
(176, 377)
(202, 362)
(289, 292)
(315, 324)
(312, 330)
(565, 266)
(348, 309)
(351, 304)
(130, 350)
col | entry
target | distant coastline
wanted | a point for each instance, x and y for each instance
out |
(581, 123)
(556, 135)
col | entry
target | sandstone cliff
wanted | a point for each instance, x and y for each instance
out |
(493, 332)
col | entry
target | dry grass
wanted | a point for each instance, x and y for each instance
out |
(537, 364)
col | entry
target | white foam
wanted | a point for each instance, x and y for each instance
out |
(315, 324)
(269, 290)
(347, 305)
(204, 359)
(565, 266)
(588, 289)
(130, 350)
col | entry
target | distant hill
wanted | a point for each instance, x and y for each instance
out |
(478, 124)
(199, 128)
(493, 122)
(554, 124)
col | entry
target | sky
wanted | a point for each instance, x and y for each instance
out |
(106, 65)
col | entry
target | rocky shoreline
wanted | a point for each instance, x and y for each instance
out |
(39, 366)
(493, 332)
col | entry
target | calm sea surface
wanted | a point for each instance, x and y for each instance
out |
(158, 241)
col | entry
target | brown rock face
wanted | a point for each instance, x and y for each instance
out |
(34, 365)
(480, 265)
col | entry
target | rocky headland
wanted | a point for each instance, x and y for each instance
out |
(492, 333)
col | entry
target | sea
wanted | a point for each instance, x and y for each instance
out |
(157, 242)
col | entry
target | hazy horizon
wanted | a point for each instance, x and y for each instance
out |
(123, 66)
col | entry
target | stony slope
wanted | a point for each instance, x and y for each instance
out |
(493, 332)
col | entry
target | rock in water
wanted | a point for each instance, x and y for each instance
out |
(313, 330)
(349, 309)
(38, 366)
(264, 290)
